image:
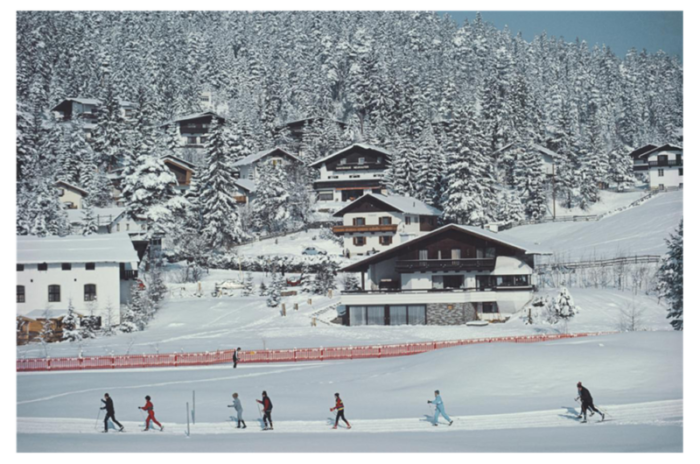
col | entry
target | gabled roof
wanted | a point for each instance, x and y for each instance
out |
(180, 161)
(188, 117)
(399, 203)
(92, 101)
(250, 159)
(248, 185)
(312, 118)
(640, 154)
(74, 187)
(97, 248)
(476, 231)
(636, 154)
(346, 149)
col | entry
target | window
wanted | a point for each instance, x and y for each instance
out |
(119, 227)
(192, 140)
(66, 266)
(375, 315)
(423, 255)
(61, 192)
(359, 241)
(485, 282)
(20, 267)
(343, 160)
(54, 293)
(42, 267)
(397, 315)
(325, 196)
(379, 160)
(416, 315)
(358, 316)
(89, 266)
(441, 282)
(438, 283)
(661, 172)
(358, 221)
(191, 125)
(408, 220)
(90, 292)
(679, 159)
(360, 160)
(20, 294)
(354, 176)
(456, 253)
(489, 307)
(127, 226)
(203, 140)
(680, 171)
(385, 221)
(489, 253)
(385, 239)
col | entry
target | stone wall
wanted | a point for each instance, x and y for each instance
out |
(441, 314)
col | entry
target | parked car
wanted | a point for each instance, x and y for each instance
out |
(312, 251)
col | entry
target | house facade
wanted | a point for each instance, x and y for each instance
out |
(71, 196)
(84, 111)
(376, 222)
(109, 221)
(250, 166)
(182, 170)
(450, 276)
(194, 128)
(94, 273)
(348, 174)
(662, 166)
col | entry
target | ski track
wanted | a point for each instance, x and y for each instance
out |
(175, 382)
(658, 413)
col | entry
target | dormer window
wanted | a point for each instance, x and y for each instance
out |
(360, 161)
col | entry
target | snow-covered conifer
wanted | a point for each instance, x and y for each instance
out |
(670, 275)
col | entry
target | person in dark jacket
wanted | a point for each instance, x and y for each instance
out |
(235, 356)
(109, 412)
(341, 411)
(267, 410)
(586, 402)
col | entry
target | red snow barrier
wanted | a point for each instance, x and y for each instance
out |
(271, 356)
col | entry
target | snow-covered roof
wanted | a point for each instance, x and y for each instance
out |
(340, 152)
(246, 184)
(250, 159)
(310, 119)
(94, 101)
(187, 117)
(44, 313)
(180, 161)
(103, 248)
(510, 265)
(528, 248)
(74, 187)
(103, 216)
(403, 204)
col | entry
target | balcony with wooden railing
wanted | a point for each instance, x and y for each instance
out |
(339, 230)
(467, 264)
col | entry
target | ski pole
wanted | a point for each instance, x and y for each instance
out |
(99, 412)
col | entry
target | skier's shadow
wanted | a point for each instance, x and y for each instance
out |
(572, 413)
(427, 418)
(330, 420)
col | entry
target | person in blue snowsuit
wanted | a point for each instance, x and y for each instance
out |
(439, 409)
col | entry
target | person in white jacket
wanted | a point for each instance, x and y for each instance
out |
(239, 410)
(439, 409)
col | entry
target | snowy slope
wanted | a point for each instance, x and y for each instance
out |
(514, 389)
(636, 231)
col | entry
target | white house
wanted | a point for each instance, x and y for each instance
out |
(349, 173)
(71, 196)
(109, 221)
(93, 272)
(249, 168)
(450, 276)
(376, 222)
(663, 164)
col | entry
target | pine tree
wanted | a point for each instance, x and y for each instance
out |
(670, 275)
(72, 331)
(248, 285)
(530, 182)
(271, 207)
(325, 276)
(565, 307)
(221, 222)
(429, 185)
(263, 289)
(90, 225)
(274, 296)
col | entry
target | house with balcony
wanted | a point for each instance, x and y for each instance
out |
(450, 276)
(84, 111)
(249, 170)
(71, 196)
(662, 166)
(182, 170)
(193, 128)
(349, 173)
(376, 222)
(93, 273)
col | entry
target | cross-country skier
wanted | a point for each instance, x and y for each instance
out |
(151, 415)
(109, 412)
(439, 409)
(236, 353)
(267, 410)
(586, 403)
(341, 411)
(239, 410)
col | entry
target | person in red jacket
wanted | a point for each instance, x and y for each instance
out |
(341, 411)
(267, 410)
(151, 415)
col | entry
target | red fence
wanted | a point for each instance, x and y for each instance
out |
(268, 356)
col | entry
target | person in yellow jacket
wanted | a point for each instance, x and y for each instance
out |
(341, 411)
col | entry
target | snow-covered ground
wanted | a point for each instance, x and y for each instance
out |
(207, 324)
(636, 231)
(609, 201)
(291, 245)
(503, 397)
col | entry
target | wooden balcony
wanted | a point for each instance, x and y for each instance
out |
(468, 264)
(340, 230)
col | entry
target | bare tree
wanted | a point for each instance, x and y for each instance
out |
(631, 317)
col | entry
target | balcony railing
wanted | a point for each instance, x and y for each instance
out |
(383, 291)
(654, 164)
(467, 264)
(339, 230)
